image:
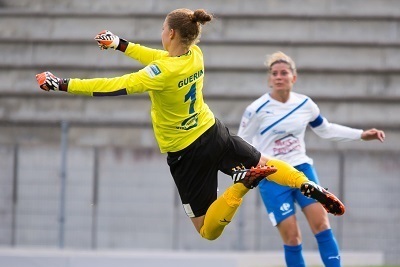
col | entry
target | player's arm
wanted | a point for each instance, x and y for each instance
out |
(334, 132)
(144, 55)
(138, 82)
(91, 87)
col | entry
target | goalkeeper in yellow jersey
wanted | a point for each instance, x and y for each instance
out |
(197, 144)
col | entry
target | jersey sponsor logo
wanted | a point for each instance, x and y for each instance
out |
(152, 70)
(189, 123)
(286, 145)
(190, 79)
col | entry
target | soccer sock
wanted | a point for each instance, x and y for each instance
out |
(222, 210)
(294, 256)
(328, 248)
(286, 174)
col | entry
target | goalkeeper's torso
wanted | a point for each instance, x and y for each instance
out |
(178, 112)
(175, 86)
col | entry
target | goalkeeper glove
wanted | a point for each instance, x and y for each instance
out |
(107, 39)
(47, 81)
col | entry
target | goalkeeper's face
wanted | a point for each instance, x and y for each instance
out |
(166, 35)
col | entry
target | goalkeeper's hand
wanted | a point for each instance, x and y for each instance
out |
(107, 39)
(47, 81)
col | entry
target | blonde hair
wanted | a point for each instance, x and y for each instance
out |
(280, 57)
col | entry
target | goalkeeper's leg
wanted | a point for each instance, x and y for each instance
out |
(221, 212)
(287, 175)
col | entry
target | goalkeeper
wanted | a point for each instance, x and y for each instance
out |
(197, 144)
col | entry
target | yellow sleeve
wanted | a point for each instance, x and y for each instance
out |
(144, 54)
(150, 78)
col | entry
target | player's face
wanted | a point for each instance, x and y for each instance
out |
(165, 34)
(281, 77)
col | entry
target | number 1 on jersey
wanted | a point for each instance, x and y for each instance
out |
(192, 96)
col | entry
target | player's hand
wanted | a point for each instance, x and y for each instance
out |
(47, 81)
(107, 39)
(373, 134)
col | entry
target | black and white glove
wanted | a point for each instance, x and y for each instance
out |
(107, 39)
(48, 81)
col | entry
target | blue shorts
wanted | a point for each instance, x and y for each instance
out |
(279, 200)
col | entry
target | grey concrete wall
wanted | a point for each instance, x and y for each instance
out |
(137, 205)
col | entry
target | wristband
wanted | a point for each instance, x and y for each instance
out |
(123, 44)
(63, 85)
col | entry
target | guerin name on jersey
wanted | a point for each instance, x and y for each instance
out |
(190, 79)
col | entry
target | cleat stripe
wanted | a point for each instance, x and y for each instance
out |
(234, 177)
(238, 176)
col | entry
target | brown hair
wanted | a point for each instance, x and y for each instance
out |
(188, 23)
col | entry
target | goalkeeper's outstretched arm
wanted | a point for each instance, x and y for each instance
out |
(144, 55)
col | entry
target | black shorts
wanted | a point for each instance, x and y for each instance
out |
(195, 168)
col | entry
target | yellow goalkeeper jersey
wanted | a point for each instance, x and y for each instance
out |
(178, 112)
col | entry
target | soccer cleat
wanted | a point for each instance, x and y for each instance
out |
(328, 200)
(251, 177)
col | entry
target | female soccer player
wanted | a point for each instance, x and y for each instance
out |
(275, 124)
(198, 145)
